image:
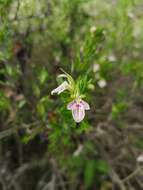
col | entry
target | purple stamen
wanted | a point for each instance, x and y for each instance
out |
(78, 105)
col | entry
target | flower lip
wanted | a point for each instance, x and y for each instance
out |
(78, 108)
(78, 114)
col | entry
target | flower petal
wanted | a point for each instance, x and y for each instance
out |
(78, 114)
(85, 105)
(102, 83)
(140, 158)
(71, 105)
(60, 88)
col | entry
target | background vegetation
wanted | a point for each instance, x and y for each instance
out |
(41, 147)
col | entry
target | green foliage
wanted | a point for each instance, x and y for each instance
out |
(139, 143)
(37, 39)
(5, 2)
(89, 174)
(5, 41)
(4, 102)
(89, 50)
(42, 106)
(118, 108)
(91, 169)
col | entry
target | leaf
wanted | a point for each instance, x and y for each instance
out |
(42, 106)
(4, 102)
(43, 76)
(139, 143)
(22, 103)
(118, 108)
(89, 173)
(92, 167)
(102, 166)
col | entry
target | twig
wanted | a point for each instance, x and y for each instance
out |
(117, 180)
(6, 133)
(132, 174)
(57, 172)
(27, 166)
(17, 10)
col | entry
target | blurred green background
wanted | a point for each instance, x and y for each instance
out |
(41, 147)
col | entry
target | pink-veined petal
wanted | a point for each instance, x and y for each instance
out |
(78, 114)
(60, 88)
(71, 105)
(85, 105)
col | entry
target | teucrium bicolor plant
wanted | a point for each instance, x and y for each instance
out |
(77, 105)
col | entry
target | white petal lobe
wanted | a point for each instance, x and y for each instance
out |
(60, 88)
(85, 105)
(78, 114)
(71, 105)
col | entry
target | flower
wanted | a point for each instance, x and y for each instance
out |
(112, 58)
(61, 88)
(140, 158)
(96, 67)
(93, 29)
(78, 108)
(102, 83)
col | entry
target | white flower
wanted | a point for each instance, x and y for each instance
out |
(61, 88)
(96, 67)
(140, 158)
(130, 14)
(112, 58)
(93, 29)
(78, 109)
(102, 83)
